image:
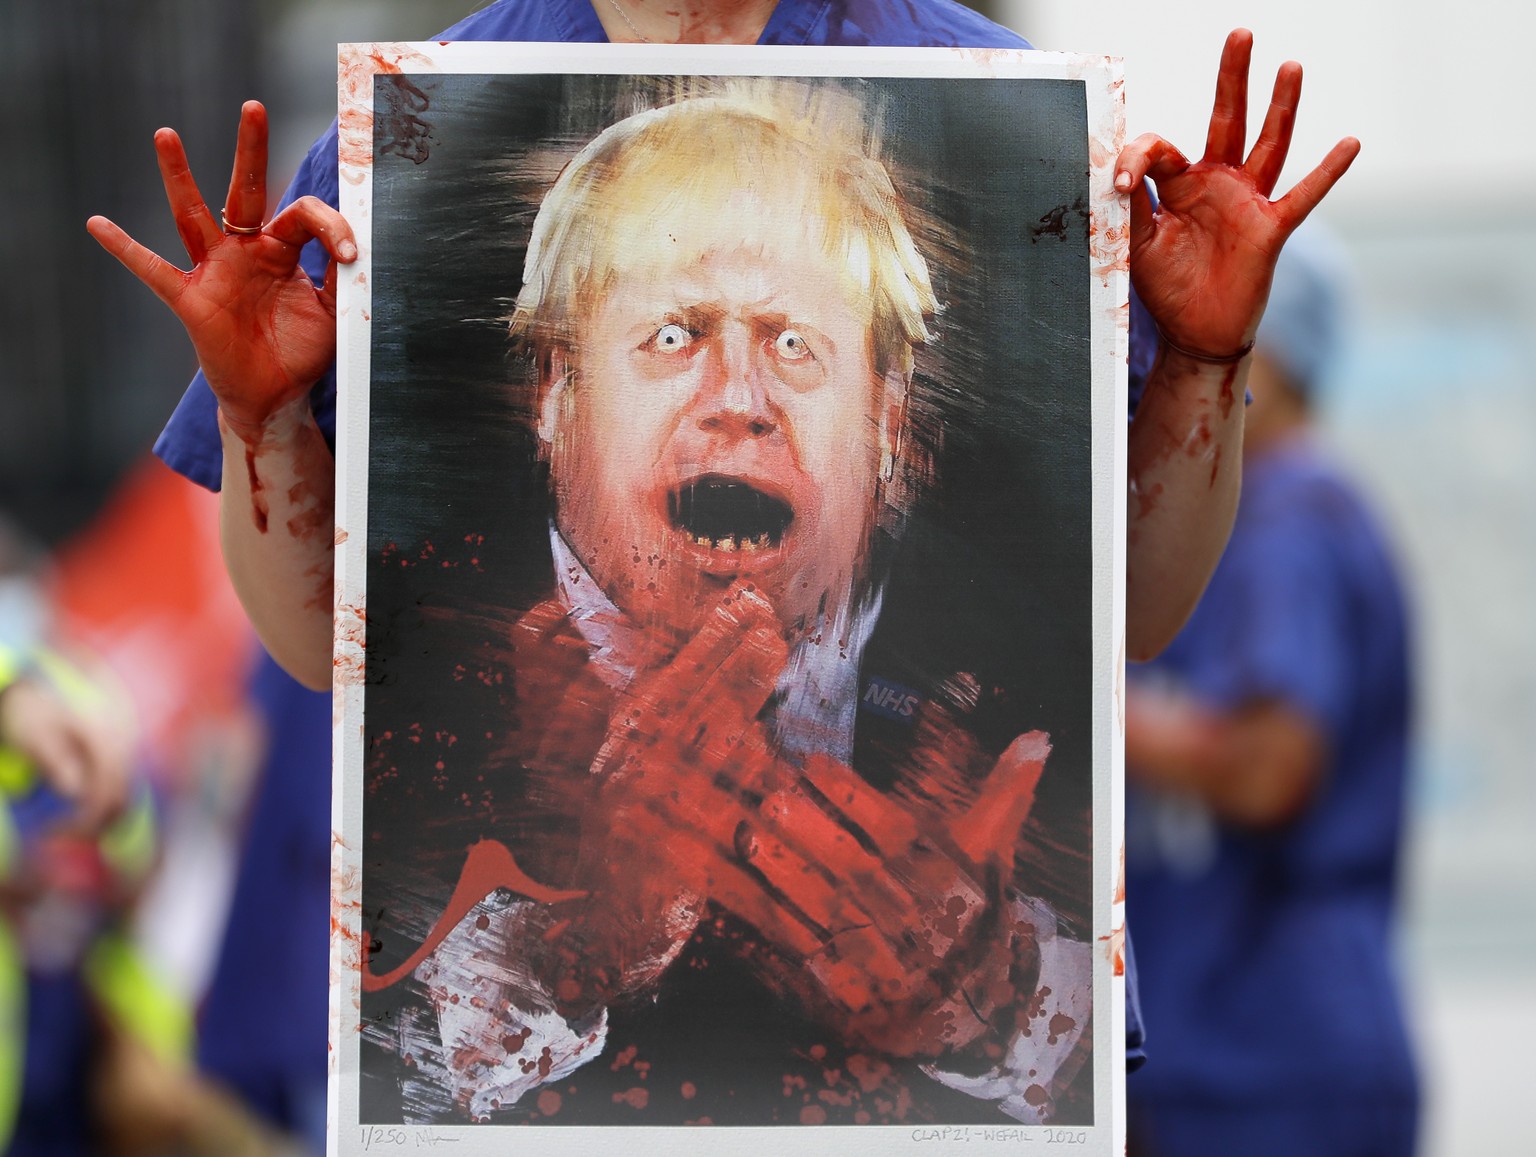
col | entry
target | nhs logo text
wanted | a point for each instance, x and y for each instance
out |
(891, 700)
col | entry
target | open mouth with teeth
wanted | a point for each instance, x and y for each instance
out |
(727, 514)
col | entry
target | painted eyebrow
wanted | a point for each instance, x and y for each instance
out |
(695, 318)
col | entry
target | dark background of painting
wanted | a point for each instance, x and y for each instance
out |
(993, 574)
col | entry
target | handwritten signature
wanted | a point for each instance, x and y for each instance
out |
(398, 1137)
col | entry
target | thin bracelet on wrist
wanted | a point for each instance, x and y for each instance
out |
(1210, 359)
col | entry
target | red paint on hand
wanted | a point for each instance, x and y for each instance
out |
(258, 500)
(1203, 259)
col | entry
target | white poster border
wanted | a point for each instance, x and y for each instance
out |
(1109, 252)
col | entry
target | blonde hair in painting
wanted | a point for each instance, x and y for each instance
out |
(757, 157)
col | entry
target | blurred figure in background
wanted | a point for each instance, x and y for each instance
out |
(96, 1035)
(67, 870)
(265, 1015)
(1265, 764)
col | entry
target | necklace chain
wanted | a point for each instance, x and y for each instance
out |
(624, 16)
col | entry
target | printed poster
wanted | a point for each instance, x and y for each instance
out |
(730, 584)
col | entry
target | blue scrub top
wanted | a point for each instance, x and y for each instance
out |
(263, 1024)
(190, 442)
(1266, 954)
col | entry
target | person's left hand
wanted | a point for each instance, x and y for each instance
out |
(1202, 260)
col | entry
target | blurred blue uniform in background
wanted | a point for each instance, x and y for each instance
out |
(263, 1025)
(1263, 910)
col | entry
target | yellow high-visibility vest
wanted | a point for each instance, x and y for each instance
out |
(123, 983)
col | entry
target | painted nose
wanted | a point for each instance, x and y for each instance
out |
(737, 396)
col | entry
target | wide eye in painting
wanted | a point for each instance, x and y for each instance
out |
(671, 338)
(791, 346)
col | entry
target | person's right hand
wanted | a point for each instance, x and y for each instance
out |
(264, 333)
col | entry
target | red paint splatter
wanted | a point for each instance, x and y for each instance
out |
(1115, 945)
(1228, 395)
(549, 1102)
(514, 1042)
(488, 866)
(1060, 1025)
(870, 1074)
(258, 500)
(313, 517)
(349, 661)
(689, 1090)
(813, 1115)
(1200, 438)
(1037, 1003)
(636, 1098)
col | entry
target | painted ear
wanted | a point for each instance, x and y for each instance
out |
(554, 386)
(893, 420)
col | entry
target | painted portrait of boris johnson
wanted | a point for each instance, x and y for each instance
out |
(728, 741)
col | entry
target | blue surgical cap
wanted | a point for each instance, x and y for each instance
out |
(1309, 305)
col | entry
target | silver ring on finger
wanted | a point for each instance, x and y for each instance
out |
(239, 230)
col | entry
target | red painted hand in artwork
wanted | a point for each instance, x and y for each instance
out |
(1203, 259)
(646, 859)
(264, 333)
(884, 913)
(889, 915)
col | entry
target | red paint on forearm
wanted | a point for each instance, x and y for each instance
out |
(312, 518)
(1228, 395)
(258, 499)
(1145, 498)
(1200, 438)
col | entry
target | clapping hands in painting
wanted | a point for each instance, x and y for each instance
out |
(883, 915)
(1202, 259)
(263, 332)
